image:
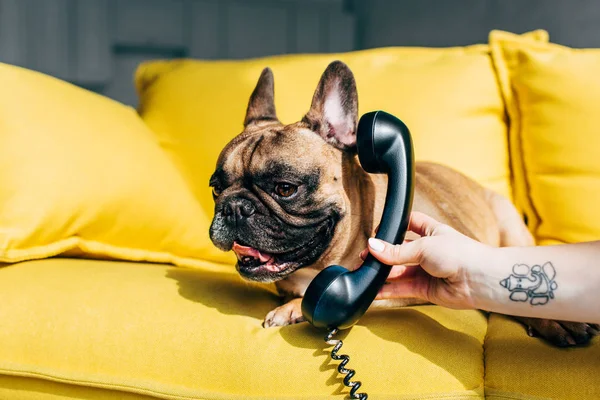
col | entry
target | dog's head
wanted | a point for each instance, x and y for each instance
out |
(279, 189)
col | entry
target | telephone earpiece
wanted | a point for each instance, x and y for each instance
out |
(337, 297)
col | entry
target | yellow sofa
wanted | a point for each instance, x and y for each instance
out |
(111, 288)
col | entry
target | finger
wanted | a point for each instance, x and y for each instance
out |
(422, 224)
(405, 272)
(398, 290)
(397, 271)
(363, 254)
(405, 288)
(407, 253)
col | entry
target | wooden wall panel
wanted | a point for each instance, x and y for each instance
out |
(340, 32)
(92, 47)
(150, 23)
(121, 86)
(205, 20)
(48, 45)
(308, 36)
(98, 44)
(13, 32)
(255, 30)
(437, 23)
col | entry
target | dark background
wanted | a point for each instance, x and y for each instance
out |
(97, 44)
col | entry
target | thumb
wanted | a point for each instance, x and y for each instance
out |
(387, 253)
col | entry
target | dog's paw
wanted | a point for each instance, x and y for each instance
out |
(287, 314)
(561, 333)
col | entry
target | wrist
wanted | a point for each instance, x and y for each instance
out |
(485, 276)
(522, 281)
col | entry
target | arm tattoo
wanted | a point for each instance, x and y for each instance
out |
(536, 284)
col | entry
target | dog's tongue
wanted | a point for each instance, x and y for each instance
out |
(244, 251)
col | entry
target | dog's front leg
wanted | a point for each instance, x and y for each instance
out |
(287, 314)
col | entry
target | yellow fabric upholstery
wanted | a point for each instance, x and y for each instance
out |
(81, 174)
(520, 367)
(97, 329)
(175, 333)
(552, 95)
(449, 98)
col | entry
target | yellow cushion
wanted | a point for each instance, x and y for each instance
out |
(448, 97)
(552, 94)
(82, 175)
(175, 333)
(520, 367)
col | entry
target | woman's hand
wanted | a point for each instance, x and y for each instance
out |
(440, 267)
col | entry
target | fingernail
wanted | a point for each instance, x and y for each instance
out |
(376, 244)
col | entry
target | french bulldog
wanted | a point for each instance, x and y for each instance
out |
(293, 199)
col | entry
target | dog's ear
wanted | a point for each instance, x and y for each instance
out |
(261, 106)
(334, 110)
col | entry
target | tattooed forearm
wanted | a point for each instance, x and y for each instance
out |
(535, 284)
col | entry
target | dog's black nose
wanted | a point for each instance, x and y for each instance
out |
(238, 209)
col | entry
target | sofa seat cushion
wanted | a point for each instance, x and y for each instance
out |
(95, 329)
(520, 367)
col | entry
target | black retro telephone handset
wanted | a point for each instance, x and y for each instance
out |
(337, 298)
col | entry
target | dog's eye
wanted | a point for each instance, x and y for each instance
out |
(284, 189)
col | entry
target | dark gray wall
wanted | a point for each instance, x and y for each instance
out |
(444, 23)
(98, 44)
